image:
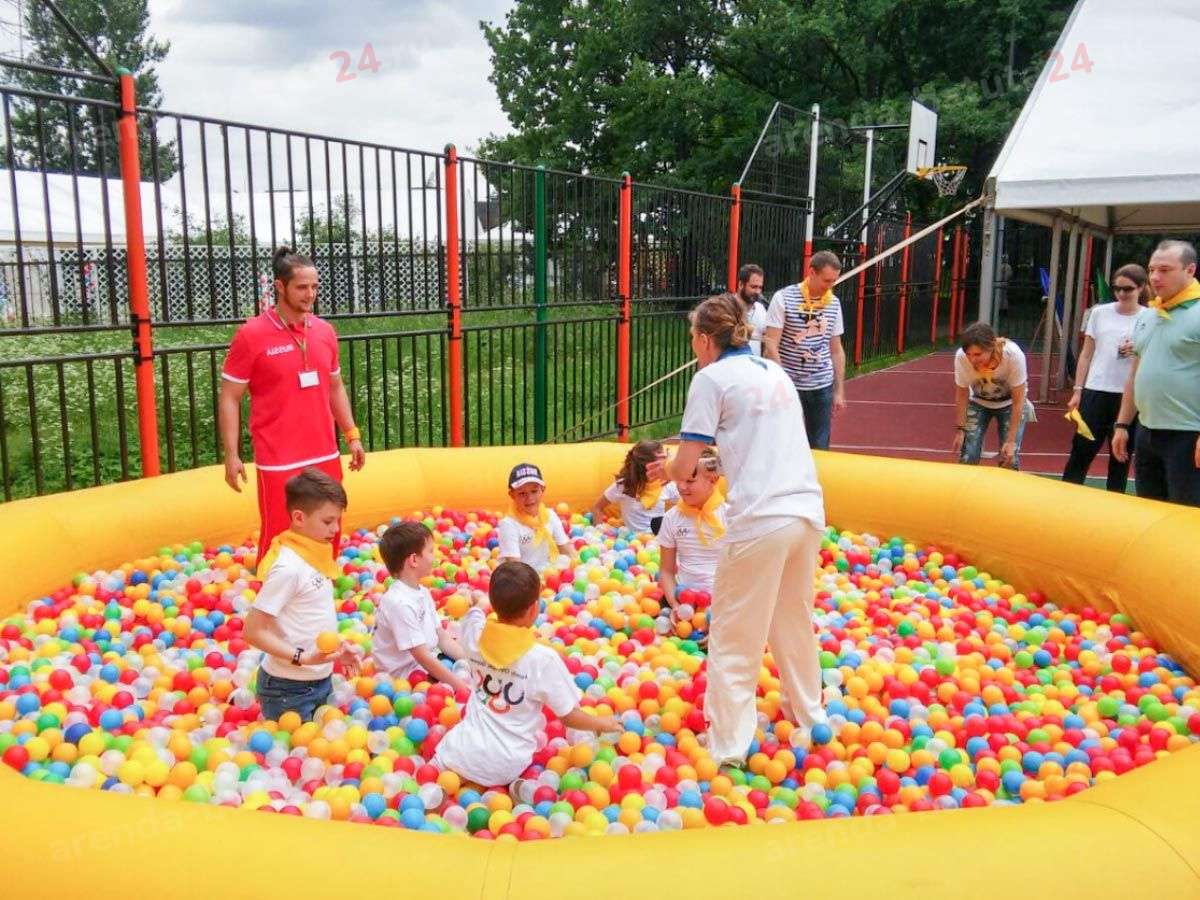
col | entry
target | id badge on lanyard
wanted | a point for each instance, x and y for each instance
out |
(308, 377)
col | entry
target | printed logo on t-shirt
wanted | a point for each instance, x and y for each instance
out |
(812, 339)
(996, 389)
(500, 690)
(280, 348)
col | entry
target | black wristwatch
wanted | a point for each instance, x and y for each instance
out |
(296, 656)
(1122, 425)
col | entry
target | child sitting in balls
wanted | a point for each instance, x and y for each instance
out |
(691, 532)
(642, 501)
(294, 606)
(514, 679)
(407, 635)
(530, 529)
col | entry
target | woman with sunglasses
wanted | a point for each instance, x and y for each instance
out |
(1100, 376)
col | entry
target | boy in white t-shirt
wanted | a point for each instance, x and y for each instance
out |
(514, 679)
(690, 537)
(408, 638)
(294, 606)
(642, 500)
(529, 529)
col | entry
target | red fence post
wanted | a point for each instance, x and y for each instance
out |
(735, 224)
(905, 262)
(624, 295)
(454, 299)
(937, 289)
(139, 290)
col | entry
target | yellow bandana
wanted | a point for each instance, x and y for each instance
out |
(811, 306)
(988, 372)
(706, 515)
(501, 645)
(537, 522)
(1189, 293)
(1081, 427)
(317, 554)
(650, 494)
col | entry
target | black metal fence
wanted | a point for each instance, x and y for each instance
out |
(539, 263)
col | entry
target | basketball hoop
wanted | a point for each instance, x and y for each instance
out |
(947, 179)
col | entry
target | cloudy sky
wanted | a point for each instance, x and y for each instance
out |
(269, 62)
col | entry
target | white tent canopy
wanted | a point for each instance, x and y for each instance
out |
(1116, 148)
(1108, 143)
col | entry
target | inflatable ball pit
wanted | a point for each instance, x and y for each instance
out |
(1079, 546)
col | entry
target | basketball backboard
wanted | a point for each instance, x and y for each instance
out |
(922, 137)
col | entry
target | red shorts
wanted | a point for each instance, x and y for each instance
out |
(272, 502)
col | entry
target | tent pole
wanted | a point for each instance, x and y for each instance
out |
(987, 266)
(1074, 238)
(1108, 253)
(1048, 338)
(1081, 286)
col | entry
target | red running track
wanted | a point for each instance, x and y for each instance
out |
(908, 411)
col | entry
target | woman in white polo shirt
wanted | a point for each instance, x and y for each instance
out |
(747, 407)
(1104, 365)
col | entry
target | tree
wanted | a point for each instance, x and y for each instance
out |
(58, 136)
(677, 93)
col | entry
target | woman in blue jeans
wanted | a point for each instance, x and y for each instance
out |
(991, 382)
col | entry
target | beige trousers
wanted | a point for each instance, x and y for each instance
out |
(763, 594)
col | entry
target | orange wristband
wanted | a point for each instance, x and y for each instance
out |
(352, 434)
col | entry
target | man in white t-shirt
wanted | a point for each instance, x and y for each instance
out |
(530, 529)
(804, 335)
(749, 291)
(513, 679)
(990, 382)
(408, 636)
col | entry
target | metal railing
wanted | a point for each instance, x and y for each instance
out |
(478, 302)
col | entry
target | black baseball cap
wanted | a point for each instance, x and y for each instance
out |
(525, 473)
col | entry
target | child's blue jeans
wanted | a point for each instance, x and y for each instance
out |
(279, 695)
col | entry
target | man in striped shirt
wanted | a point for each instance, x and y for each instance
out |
(804, 335)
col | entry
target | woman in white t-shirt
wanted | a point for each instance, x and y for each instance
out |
(763, 591)
(990, 382)
(1100, 376)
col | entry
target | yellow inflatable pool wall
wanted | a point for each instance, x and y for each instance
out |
(1079, 546)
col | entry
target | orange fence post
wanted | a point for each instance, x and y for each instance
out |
(735, 224)
(139, 291)
(454, 300)
(905, 262)
(624, 265)
(937, 288)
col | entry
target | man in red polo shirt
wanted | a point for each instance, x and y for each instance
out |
(288, 359)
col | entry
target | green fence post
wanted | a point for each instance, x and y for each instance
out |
(539, 300)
